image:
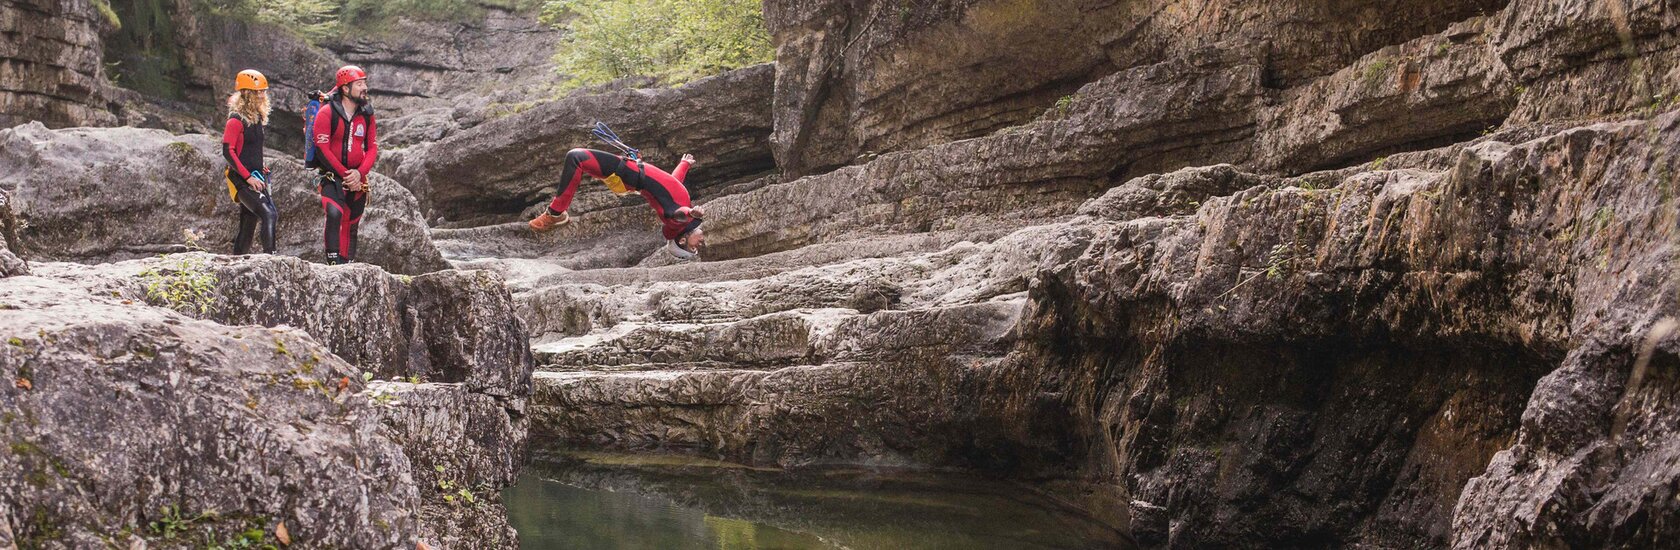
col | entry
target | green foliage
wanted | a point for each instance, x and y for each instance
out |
(312, 19)
(1377, 72)
(252, 538)
(675, 41)
(186, 285)
(1062, 107)
(1281, 261)
(109, 14)
(318, 19)
(173, 523)
(368, 14)
(145, 52)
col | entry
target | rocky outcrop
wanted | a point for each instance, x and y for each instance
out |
(1215, 106)
(503, 166)
(1143, 120)
(293, 67)
(434, 77)
(876, 77)
(10, 263)
(465, 320)
(50, 63)
(263, 429)
(110, 194)
(1362, 342)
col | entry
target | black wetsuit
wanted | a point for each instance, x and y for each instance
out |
(242, 148)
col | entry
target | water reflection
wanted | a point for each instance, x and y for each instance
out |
(589, 501)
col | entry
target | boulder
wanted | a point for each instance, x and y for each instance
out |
(107, 194)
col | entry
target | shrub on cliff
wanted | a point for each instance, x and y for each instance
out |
(674, 41)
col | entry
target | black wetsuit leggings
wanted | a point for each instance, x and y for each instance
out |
(344, 216)
(257, 217)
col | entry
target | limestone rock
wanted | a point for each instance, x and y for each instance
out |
(448, 404)
(854, 78)
(50, 63)
(91, 195)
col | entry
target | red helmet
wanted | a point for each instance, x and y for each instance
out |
(348, 74)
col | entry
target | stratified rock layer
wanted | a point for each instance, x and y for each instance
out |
(121, 414)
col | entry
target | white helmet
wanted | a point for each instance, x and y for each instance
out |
(680, 252)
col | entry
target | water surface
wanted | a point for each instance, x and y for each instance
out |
(613, 501)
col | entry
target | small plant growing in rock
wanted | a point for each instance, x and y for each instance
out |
(1063, 107)
(383, 397)
(1602, 219)
(452, 493)
(186, 285)
(1376, 72)
(1281, 261)
(174, 523)
(252, 538)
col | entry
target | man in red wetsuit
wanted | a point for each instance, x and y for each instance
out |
(664, 192)
(347, 144)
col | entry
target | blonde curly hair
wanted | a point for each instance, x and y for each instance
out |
(250, 105)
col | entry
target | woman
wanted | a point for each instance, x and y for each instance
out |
(242, 148)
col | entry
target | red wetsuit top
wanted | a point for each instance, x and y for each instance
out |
(242, 147)
(346, 142)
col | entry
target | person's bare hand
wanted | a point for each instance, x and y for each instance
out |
(353, 181)
(256, 183)
(688, 158)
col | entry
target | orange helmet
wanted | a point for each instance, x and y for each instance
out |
(250, 80)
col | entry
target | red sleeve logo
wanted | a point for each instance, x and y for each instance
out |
(321, 138)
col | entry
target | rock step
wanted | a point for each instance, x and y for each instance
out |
(852, 412)
(788, 338)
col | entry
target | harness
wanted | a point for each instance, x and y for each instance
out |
(606, 135)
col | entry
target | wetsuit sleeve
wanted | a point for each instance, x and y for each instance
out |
(233, 143)
(681, 173)
(322, 134)
(372, 153)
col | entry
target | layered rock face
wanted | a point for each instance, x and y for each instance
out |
(1399, 324)
(94, 195)
(1425, 304)
(1254, 274)
(878, 76)
(434, 78)
(130, 421)
(1215, 106)
(50, 67)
